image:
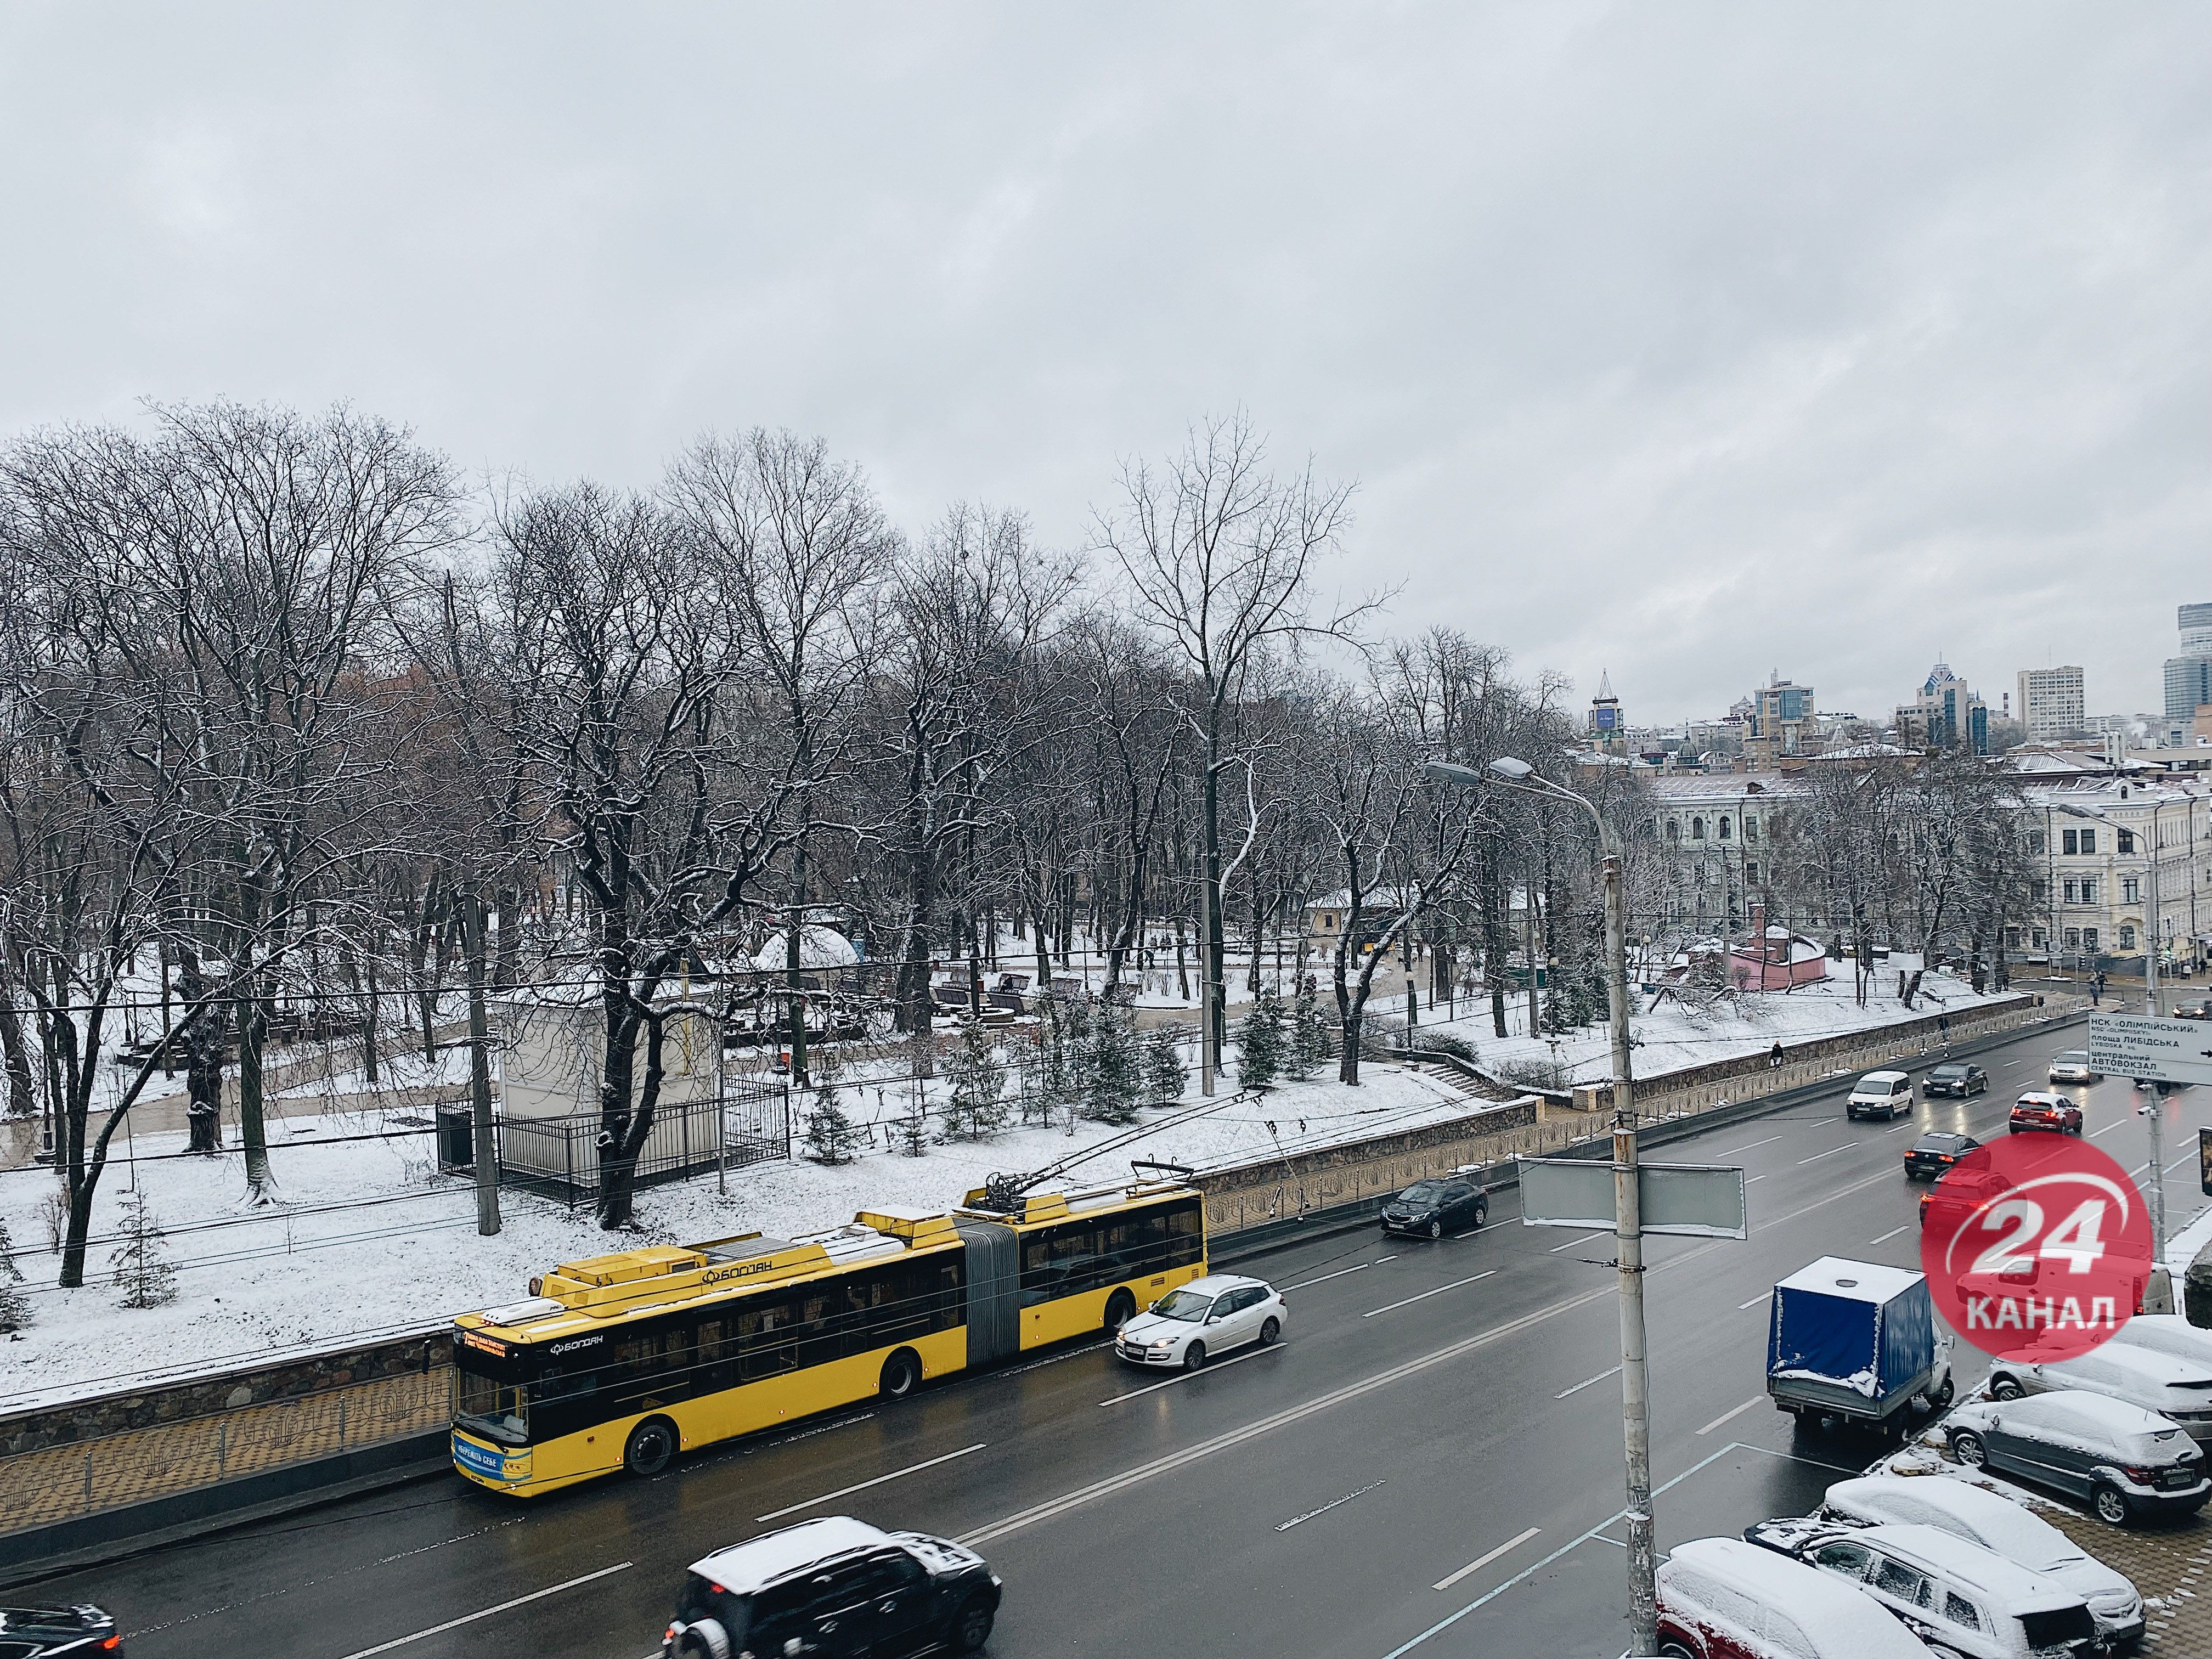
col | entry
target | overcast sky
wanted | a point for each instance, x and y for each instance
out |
(1687, 343)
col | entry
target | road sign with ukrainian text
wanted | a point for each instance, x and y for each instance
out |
(1696, 1200)
(2142, 1046)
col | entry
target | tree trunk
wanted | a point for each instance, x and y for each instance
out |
(486, 1145)
(252, 1031)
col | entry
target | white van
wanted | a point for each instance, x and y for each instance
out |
(1883, 1094)
(1961, 1597)
(1999, 1525)
(2178, 1388)
(1721, 1598)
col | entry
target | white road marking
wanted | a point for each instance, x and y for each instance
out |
(1185, 1377)
(1769, 1141)
(1036, 1364)
(2178, 1161)
(1891, 1234)
(1764, 1295)
(1051, 1508)
(843, 1491)
(1339, 1503)
(1359, 1266)
(1897, 1128)
(1480, 1561)
(1469, 1233)
(1586, 1382)
(470, 1618)
(1571, 1242)
(1425, 1295)
(1732, 1413)
(1748, 1180)
(1380, 1259)
(2107, 1129)
(1830, 1152)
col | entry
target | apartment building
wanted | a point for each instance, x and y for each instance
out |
(2098, 841)
(2052, 707)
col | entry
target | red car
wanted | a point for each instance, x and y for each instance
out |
(2045, 1111)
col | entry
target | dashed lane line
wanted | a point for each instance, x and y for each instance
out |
(1571, 1242)
(1732, 1413)
(1185, 1377)
(845, 1491)
(1409, 1301)
(1481, 1561)
(1578, 1386)
(486, 1613)
(1891, 1234)
(1830, 1152)
(1303, 1284)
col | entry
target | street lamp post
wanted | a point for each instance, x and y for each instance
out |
(1507, 773)
(2150, 1096)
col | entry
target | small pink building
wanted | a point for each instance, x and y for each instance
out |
(1772, 958)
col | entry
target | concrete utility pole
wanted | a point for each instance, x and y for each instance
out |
(2153, 1106)
(1507, 773)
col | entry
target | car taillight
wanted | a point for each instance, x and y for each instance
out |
(111, 1644)
(2140, 1477)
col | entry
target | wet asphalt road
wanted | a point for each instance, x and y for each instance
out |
(1432, 1405)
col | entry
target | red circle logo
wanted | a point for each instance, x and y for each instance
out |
(2037, 1247)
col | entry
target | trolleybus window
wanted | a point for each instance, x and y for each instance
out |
(496, 1410)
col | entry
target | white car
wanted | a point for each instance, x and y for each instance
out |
(1887, 1093)
(2174, 1388)
(1999, 1525)
(1206, 1318)
(2170, 1334)
(2072, 1066)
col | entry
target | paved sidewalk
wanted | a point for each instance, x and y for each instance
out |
(2168, 1564)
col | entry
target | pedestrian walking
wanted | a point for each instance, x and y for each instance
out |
(1774, 1058)
(1943, 1030)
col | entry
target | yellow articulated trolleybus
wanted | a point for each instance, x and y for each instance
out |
(622, 1361)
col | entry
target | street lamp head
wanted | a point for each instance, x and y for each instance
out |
(1512, 770)
(1463, 777)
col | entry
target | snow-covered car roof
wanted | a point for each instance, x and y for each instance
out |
(752, 1566)
(1989, 1515)
(2166, 1333)
(2063, 1407)
(2146, 1365)
(2018, 1589)
(1846, 1623)
(1855, 1281)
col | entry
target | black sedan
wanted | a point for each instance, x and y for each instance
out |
(2200, 1009)
(1931, 1157)
(1433, 1208)
(32, 1632)
(1957, 1079)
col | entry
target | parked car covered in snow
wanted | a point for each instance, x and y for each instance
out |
(2126, 1461)
(1721, 1598)
(1997, 1523)
(2175, 1387)
(1956, 1596)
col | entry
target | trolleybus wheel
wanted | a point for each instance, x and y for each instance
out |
(1121, 1308)
(901, 1375)
(651, 1444)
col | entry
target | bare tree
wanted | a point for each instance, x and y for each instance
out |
(1219, 553)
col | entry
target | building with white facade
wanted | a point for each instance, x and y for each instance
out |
(2094, 837)
(2053, 708)
(1722, 833)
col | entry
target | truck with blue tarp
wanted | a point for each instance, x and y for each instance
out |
(1856, 1342)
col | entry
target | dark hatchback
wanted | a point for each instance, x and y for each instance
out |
(1956, 1079)
(37, 1632)
(835, 1589)
(1931, 1157)
(1432, 1208)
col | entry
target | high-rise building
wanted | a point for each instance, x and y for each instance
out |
(2196, 630)
(1945, 714)
(1782, 722)
(1608, 727)
(2188, 684)
(2052, 705)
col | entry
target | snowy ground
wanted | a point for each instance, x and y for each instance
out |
(370, 1240)
(1669, 1037)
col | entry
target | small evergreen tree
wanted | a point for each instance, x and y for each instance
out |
(978, 1106)
(142, 1272)
(1262, 1043)
(15, 1306)
(1309, 1035)
(1165, 1075)
(913, 1131)
(830, 1137)
(1114, 1072)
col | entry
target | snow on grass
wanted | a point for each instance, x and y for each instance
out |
(370, 1240)
(1670, 1038)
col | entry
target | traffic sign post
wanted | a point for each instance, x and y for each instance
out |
(1692, 1200)
(2150, 1050)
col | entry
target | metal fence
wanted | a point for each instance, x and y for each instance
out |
(749, 1122)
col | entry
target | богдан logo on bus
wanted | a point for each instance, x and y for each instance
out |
(2037, 1247)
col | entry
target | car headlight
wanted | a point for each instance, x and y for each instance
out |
(1162, 1342)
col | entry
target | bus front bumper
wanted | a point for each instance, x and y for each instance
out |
(500, 1467)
